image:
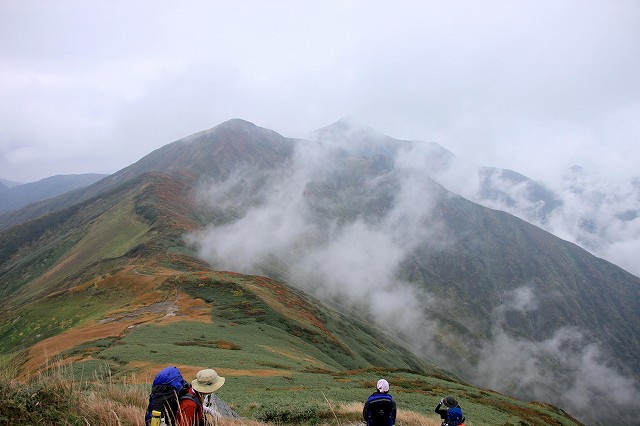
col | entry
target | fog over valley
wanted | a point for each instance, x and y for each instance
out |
(279, 227)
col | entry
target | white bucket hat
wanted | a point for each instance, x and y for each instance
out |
(207, 381)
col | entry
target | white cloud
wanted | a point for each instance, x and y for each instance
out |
(531, 88)
(583, 371)
(356, 264)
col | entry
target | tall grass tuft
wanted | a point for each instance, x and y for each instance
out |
(54, 397)
(47, 399)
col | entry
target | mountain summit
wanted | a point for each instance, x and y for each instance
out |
(357, 138)
(253, 225)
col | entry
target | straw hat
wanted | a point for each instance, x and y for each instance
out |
(207, 381)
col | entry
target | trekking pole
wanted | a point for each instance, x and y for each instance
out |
(155, 418)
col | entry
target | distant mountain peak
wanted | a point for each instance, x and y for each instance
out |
(348, 122)
(347, 127)
(9, 183)
(235, 123)
(234, 127)
(357, 139)
(18, 196)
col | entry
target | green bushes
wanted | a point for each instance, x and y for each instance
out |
(288, 413)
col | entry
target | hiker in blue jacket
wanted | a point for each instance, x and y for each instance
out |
(451, 414)
(380, 408)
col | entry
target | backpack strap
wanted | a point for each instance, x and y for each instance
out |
(192, 398)
(201, 421)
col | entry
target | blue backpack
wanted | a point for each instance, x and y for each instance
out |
(454, 416)
(380, 410)
(166, 391)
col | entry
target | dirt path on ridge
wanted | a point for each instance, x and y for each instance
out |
(150, 305)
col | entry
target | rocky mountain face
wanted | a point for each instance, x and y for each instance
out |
(357, 220)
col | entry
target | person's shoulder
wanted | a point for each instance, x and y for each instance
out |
(380, 395)
(188, 399)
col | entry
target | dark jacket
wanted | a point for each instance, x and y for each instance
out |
(379, 410)
(443, 413)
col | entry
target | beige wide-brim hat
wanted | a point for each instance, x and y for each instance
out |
(207, 381)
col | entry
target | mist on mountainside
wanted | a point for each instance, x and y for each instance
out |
(355, 259)
(567, 369)
(599, 213)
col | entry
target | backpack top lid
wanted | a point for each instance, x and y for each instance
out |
(167, 384)
(170, 376)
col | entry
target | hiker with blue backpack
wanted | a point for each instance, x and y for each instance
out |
(380, 408)
(175, 402)
(451, 414)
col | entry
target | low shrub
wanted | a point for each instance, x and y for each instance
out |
(298, 413)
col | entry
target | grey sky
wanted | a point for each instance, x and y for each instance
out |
(533, 86)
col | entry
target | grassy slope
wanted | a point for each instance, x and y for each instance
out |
(272, 355)
(122, 297)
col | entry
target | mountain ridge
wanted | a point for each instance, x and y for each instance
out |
(19, 195)
(151, 303)
(453, 252)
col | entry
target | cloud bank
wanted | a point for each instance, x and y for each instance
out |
(92, 87)
(599, 212)
(583, 380)
(355, 264)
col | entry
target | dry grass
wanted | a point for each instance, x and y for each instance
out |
(351, 413)
(411, 418)
(123, 402)
(343, 414)
(112, 404)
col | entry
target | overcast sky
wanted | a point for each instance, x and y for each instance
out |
(535, 86)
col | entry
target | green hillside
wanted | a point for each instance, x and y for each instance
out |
(82, 274)
(282, 355)
(107, 289)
